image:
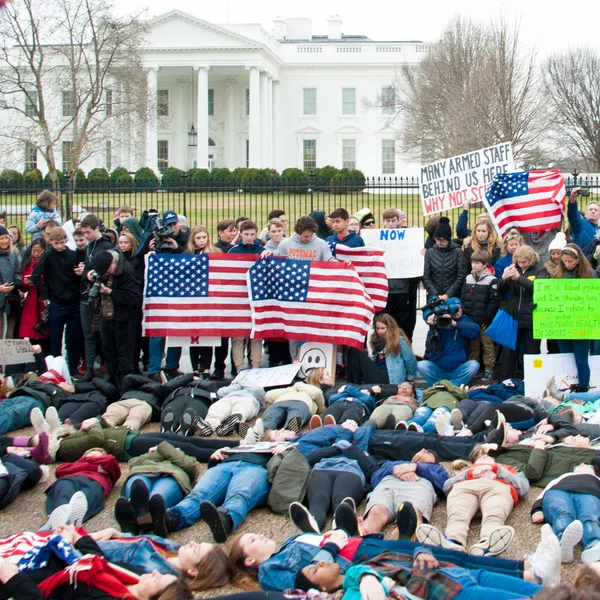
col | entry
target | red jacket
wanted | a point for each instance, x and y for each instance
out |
(103, 469)
(30, 314)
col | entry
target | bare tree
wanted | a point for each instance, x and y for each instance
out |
(477, 87)
(67, 69)
(573, 89)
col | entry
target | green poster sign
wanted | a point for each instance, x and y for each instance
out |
(567, 309)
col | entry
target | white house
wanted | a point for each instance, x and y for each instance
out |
(235, 95)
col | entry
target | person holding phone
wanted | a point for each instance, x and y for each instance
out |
(10, 278)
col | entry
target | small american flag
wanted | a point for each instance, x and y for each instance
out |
(204, 295)
(370, 266)
(531, 200)
(312, 301)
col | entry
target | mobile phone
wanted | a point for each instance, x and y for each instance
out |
(583, 192)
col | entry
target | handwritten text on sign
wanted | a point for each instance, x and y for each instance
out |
(401, 250)
(567, 309)
(447, 183)
(15, 352)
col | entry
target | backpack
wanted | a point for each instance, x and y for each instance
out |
(289, 474)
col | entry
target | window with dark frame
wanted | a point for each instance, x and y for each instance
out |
(163, 154)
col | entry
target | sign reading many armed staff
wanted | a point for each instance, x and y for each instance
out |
(447, 183)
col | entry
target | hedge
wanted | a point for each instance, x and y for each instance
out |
(145, 178)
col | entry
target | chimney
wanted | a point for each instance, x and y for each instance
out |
(334, 28)
(279, 28)
(298, 29)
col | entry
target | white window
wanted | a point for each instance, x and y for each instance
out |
(67, 147)
(31, 102)
(348, 101)
(211, 102)
(30, 156)
(68, 103)
(247, 101)
(108, 151)
(309, 101)
(162, 103)
(309, 154)
(349, 154)
(109, 103)
(163, 154)
(388, 156)
(388, 100)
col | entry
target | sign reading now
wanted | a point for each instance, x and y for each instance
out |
(402, 250)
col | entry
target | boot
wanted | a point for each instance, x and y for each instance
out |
(87, 376)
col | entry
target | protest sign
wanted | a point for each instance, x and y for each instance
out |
(447, 183)
(567, 309)
(538, 368)
(191, 341)
(314, 355)
(15, 352)
(270, 377)
(401, 250)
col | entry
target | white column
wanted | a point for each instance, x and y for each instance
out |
(152, 121)
(181, 140)
(276, 128)
(231, 156)
(125, 117)
(202, 117)
(264, 117)
(269, 157)
(254, 118)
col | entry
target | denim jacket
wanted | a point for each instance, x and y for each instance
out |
(401, 366)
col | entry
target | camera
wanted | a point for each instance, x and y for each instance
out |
(160, 232)
(42, 325)
(95, 290)
(443, 312)
(583, 192)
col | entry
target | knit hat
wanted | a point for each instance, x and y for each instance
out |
(102, 261)
(3, 230)
(363, 214)
(302, 582)
(443, 230)
(559, 242)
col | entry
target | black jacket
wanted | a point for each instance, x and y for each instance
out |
(102, 243)
(520, 304)
(54, 278)
(445, 271)
(126, 292)
(223, 246)
(480, 298)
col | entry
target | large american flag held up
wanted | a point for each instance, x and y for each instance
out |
(531, 200)
(370, 266)
(312, 301)
(205, 295)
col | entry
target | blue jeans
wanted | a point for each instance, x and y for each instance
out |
(426, 417)
(237, 486)
(14, 412)
(561, 508)
(278, 415)
(462, 374)
(162, 485)
(479, 583)
(157, 347)
(581, 351)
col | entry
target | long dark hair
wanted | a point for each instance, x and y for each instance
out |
(41, 242)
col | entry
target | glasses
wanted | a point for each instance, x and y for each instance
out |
(369, 224)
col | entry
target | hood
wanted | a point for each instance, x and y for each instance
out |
(319, 217)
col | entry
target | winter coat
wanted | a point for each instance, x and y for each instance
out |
(480, 297)
(319, 217)
(582, 231)
(502, 263)
(301, 392)
(36, 215)
(10, 272)
(520, 304)
(353, 394)
(454, 344)
(445, 271)
(434, 473)
(126, 293)
(205, 391)
(402, 365)
(103, 469)
(54, 277)
(243, 389)
(443, 393)
(352, 240)
(47, 393)
(112, 439)
(255, 248)
(324, 437)
(289, 475)
(32, 308)
(167, 461)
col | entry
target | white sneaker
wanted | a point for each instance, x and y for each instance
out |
(430, 534)
(591, 554)
(497, 542)
(259, 429)
(53, 419)
(443, 425)
(78, 506)
(456, 418)
(59, 516)
(545, 561)
(464, 432)
(38, 422)
(570, 537)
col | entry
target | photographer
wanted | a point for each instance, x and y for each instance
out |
(168, 237)
(120, 293)
(448, 342)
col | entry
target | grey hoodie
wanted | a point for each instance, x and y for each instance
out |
(316, 249)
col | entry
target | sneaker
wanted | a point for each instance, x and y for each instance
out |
(498, 541)
(87, 376)
(415, 427)
(430, 534)
(78, 506)
(45, 470)
(59, 516)
(456, 418)
(172, 373)
(344, 518)
(294, 424)
(329, 420)
(401, 426)
(315, 422)
(464, 432)
(591, 554)
(125, 516)
(497, 420)
(302, 518)
(203, 428)
(82, 368)
(407, 521)
(228, 426)
(167, 422)
(189, 422)
(259, 428)
(350, 502)
(545, 561)
(442, 424)
(497, 436)
(218, 375)
(140, 498)
(570, 537)
(553, 390)
(38, 422)
(242, 429)
(487, 375)
(163, 521)
(53, 419)
(218, 520)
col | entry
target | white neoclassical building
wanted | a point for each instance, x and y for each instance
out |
(236, 95)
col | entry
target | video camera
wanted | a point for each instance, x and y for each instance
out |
(443, 312)
(160, 232)
(95, 290)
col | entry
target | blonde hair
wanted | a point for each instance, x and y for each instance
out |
(513, 235)
(492, 242)
(527, 253)
(192, 248)
(243, 576)
(315, 376)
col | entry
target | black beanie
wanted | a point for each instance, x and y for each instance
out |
(102, 261)
(3, 230)
(443, 230)
(302, 582)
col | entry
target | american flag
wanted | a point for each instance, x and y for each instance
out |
(531, 200)
(370, 266)
(203, 295)
(312, 301)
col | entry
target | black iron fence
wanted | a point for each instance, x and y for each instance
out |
(208, 205)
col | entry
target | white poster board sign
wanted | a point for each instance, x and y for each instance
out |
(269, 377)
(538, 368)
(401, 250)
(191, 341)
(446, 184)
(15, 352)
(314, 355)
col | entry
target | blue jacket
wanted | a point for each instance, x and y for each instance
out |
(354, 395)
(324, 437)
(434, 473)
(37, 214)
(583, 232)
(502, 263)
(255, 248)
(498, 392)
(352, 240)
(401, 366)
(456, 342)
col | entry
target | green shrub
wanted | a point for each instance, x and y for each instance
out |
(357, 180)
(323, 178)
(172, 178)
(237, 175)
(33, 179)
(124, 182)
(198, 178)
(221, 178)
(9, 178)
(116, 174)
(81, 182)
(98, 178)
(294, 181)
(145, 178)
(338, 184)
(48, 183)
